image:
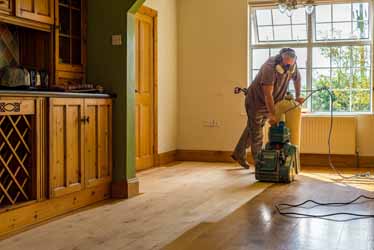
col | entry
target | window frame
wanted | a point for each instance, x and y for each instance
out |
(311, 43)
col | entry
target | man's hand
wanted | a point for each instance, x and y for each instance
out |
(300, 100)
(272, 120)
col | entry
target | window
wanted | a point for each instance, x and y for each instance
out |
(333, 47)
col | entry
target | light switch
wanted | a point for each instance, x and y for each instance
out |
(116, 40)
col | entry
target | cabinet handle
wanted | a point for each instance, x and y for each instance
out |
(88, 119)
(83, 119)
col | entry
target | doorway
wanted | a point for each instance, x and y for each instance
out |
(146, 87)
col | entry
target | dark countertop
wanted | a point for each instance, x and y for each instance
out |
(44, 93)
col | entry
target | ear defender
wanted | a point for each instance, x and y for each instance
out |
(281, 70)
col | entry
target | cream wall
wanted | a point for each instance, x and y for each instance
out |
(212, 61)
(212, 39)
(167, 73)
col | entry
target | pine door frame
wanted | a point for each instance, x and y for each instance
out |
(144, 10)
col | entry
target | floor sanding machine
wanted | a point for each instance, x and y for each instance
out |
(279, 160)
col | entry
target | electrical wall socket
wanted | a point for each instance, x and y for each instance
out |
(117, 40)
(211, 124)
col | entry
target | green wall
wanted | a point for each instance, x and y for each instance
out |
(113, 67)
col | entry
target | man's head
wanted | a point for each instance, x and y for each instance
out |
(288, 56)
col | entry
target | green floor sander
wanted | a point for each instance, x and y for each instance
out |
(279, 160)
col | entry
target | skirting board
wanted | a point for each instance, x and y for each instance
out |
(17, 219)
(306, 159)
(125, 189)
(166, 158)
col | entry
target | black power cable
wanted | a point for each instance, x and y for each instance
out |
(365, 176)
(287, 206)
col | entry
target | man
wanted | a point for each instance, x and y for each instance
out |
(269, 87)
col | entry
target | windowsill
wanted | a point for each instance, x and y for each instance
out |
(328, 114)
(340, 114)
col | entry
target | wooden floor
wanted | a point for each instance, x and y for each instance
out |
(211, 206)
(174, 200)
(257, 225)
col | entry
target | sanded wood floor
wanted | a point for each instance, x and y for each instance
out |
(208, 206)
(258, 226)
(174, 200)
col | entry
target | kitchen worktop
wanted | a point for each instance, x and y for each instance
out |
(48, 93)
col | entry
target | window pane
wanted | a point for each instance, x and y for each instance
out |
(361, 56)
(361, 78)
(342, 101)
(254, 74)
(298, 16)
(342, 12)
(274, 52)
(323, 31)
(265, 34)
(263, 17)
(360, 11)
(360, 30)
(321, 78)
(341, 78)
(321, 57)
(341, 56)
(321, 102)
(302, 56)
(253, 34)
(323, 13)
(280, 18)
(303, 78)
(259, 56)
(342, 30)
(299, 32)
(361, 101)
(282, 33)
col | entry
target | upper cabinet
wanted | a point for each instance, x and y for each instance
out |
(70, 35)
(6, 6)
(36, 10)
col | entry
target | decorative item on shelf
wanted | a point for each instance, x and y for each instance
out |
(287, 6)
(12, 77)
(44, 78)
(81, 88)
(100, 88)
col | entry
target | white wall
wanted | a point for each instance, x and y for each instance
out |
(212, 61)
(167, 73)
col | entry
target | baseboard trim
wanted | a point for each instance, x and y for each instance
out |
(315, 160)
(366, 161)
(125, 188)
(166, 158)
(207, 156)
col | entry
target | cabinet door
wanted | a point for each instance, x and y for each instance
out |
(36, 10)
(66, 146)
(70, 35)
(98, 141)
(64, 78)
(6, 6)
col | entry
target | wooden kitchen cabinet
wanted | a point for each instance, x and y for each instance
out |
(6, 6)
(80, 144)
(66, 146)
(36, 10)
(70, 35)
(98, 141)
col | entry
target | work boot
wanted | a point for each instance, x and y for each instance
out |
(242, 162)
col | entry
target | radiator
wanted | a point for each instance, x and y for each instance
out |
(315, 130)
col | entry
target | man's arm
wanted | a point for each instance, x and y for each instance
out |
(297, 85)
(269, 101)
